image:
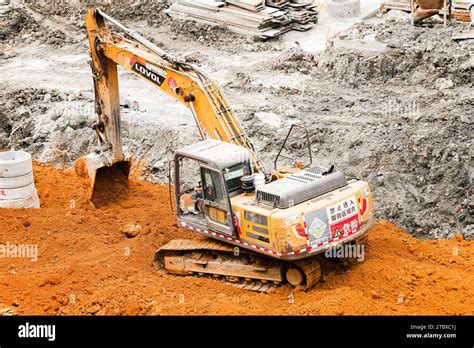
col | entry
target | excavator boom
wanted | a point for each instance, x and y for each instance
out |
(205, 99)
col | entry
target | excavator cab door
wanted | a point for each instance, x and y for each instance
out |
(201, 196)
(216, 202)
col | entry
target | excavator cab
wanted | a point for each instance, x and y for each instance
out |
(203, 198)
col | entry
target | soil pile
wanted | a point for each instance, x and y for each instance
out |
(99, 262)
(390, 103)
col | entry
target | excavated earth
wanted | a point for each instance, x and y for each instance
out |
(385, 102)
(90, 263)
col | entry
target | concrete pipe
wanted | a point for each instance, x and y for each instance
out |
(16, 181)
(15, 163)
(28, 202)
(343, 8)
(17, 187)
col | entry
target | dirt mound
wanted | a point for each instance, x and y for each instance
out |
(389, 103)
(16, 23)
(64, 24)
(57, 24)
(295, 59)
(389, 47)
(90, 263)
(126, 9)
(48, 122)
(24, 22)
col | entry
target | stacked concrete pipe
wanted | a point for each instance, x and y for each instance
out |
(17, 186)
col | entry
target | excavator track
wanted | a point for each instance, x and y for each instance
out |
(250, 285)
(242, 268)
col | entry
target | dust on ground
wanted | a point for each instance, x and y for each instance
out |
(386, 102)
(99, 262)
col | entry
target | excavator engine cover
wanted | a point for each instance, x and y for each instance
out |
(300, 187)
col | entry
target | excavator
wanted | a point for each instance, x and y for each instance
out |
(259, 226)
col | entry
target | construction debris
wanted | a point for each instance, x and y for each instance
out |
(460, 9)
(249, 17)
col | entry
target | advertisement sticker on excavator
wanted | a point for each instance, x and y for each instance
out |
(343, 217)
(338, 220)
(317, 225)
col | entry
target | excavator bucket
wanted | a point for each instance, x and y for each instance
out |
(108, 183)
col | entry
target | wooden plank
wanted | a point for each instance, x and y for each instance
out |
(220, 17)
(463, 36)
(392, 5)
(246, 16)
(209, 5)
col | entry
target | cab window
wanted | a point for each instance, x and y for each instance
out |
(212, 187)
(233, 174)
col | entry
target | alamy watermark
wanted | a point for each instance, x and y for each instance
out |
(349, 251)
(407, 109)
(28, 330)
(26, 251)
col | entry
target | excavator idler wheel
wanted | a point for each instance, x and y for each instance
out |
(304, 273)
(295, 276)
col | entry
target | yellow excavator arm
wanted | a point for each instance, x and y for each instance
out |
(214, 117)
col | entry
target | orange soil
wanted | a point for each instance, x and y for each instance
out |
(86, 265)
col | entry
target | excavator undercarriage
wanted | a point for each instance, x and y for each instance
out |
(244, 268)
